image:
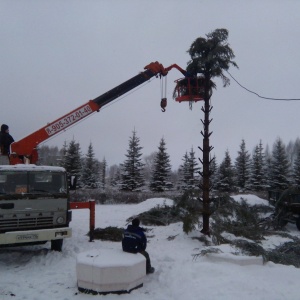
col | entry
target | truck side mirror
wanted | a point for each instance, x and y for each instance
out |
(72, 180)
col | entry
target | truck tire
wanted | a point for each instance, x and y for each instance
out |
(298, 223)
(56, 245)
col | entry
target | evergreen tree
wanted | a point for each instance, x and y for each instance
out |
(210, 57)
(115, 176)
(268, 167)
(184, 175)
(72, 161)
(268, 172)
(132, 177)
(242, 167)
(226, 175)
(103, 167)
(188, 179)
(64, 151)
(117, 179)
(296, 169)
(193, 182)
(90, 173)
(280, 167)
(162, 168)
(292, 150)
(214, 174)
(258, 181)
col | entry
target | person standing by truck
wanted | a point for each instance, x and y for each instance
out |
(5, 140)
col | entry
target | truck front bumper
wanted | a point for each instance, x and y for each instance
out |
(32, 236)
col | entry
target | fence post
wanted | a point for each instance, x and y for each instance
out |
(92, 219)
(91, 206)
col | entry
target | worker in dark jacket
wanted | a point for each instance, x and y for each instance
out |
(135, 241)
(5, 140)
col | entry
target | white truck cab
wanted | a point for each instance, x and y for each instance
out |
(34, 205)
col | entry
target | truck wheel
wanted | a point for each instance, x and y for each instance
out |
(56, 245)
(298, 223)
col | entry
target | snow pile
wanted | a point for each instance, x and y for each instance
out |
(37, 273)
(250, 199)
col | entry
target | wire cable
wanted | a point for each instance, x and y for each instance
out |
(268, 98)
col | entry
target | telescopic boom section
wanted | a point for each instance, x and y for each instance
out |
(25, 150)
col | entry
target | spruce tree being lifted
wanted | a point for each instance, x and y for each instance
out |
(210, 57)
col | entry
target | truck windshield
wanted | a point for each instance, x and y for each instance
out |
(12, 182)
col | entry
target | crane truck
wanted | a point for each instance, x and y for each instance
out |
(35, 200)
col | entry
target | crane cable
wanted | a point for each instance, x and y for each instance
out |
(163, 90)
(268, 98)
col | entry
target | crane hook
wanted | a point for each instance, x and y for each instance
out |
(163, 104)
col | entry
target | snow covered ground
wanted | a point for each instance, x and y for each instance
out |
(37, 273)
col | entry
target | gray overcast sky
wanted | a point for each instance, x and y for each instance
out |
(56, 55)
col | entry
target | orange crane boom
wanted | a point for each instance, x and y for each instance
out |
(25, 150)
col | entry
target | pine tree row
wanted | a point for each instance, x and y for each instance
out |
(261, 171)
(265, 170)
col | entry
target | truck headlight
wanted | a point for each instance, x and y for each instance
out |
(60, 220)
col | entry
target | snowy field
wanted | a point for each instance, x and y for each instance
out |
(37, 273)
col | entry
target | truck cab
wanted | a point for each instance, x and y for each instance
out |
(34, 205)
